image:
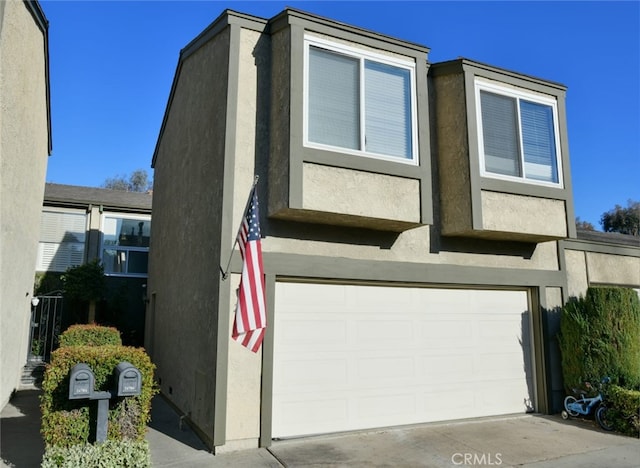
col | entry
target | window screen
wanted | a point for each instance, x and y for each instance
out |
(518, 136)
(360, 104)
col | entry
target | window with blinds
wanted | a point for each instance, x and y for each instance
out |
(62, 240)
(518, 134)
(359, 102)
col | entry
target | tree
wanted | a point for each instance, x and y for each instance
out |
(85, 283)
(623, 220)
(584, 225)
(138, 181)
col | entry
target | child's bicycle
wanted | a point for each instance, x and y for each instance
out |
(584, 406)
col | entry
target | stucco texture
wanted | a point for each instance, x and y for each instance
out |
(24, 147)
(358, 193)
(186, 226)
(523, 216)
(453, 153)
(577, 279)
(279, 124)
(613, 269)
(244, 367)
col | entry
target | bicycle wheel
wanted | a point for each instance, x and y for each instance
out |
(570, 401)
(603, 416)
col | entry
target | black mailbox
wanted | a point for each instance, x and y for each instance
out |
(81, 382)
(128, 379)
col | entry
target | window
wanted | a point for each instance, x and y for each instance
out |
(359, 102)
(62, 240)
(125, 245)
(518, 134)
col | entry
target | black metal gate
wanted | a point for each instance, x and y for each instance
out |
(46, 314)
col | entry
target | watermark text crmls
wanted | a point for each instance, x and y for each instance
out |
(476, 459)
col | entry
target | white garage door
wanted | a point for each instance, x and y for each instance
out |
(354, 357)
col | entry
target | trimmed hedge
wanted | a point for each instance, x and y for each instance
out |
(123, 454)
(600, 336)
(90, 335)
(66, 422)
(625, 409)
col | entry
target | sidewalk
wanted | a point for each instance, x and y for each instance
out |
(530, 441)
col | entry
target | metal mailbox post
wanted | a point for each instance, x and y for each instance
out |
(81, 387)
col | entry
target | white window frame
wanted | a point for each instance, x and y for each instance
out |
(518, 94)
(126, 248)
(361, 55)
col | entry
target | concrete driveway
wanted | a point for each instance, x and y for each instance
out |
(531, 441)
(524, 440)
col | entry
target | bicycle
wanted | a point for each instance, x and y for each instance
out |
(585, 405)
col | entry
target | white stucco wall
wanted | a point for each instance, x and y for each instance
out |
(23, 164)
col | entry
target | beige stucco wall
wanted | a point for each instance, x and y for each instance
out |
(613, 269)
(522, 215)
(244, 367)
(24, 150)
(182, 320)
(586, 268)
(414, 246)
(358, 193)
(577, 279)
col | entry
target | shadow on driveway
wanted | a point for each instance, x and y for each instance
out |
(21, 444)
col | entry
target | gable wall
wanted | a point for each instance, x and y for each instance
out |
(24, 149)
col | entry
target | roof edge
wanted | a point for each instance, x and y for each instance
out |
(461, 63)
(43, 23)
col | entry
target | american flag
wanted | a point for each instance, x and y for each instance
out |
(251, 312)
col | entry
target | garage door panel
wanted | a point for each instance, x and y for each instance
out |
(374, 299)
(325, 413)
(297, 372)
(449, 403)
(451, 368)
(378, 356)
(444, 330)
(385, 368)
(390, 406)
(371, 333)
(314, 295)
(318, 334)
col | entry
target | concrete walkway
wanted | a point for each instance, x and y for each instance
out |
(530, 441)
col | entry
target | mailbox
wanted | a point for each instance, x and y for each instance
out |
(81, 382)
(128, 379)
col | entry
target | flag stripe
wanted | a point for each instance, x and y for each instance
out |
(251, 314)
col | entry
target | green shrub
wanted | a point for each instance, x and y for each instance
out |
(90, 335)
(108, 454)
(67, 422)
(600, 336)
(625, 409)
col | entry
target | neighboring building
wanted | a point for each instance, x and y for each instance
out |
(418, 233)
(25, 145)
(80, 224)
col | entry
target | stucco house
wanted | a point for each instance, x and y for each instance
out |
(80, 224)
(418, 233)
(25, 146)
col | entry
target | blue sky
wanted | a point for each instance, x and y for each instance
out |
(112, 64)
